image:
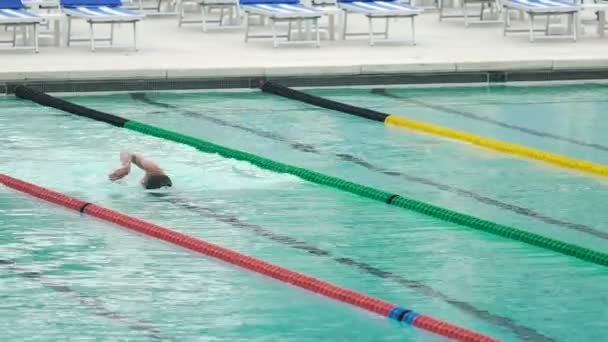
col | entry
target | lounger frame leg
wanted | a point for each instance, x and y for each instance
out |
(246, 26)
(575, 18)
(135, 35)
(181, 11)
(344, 23)
(92, 36)
(386, 28)
(332, 27)
(506, 21)
(289, 30)
(35, 28)
(14, 35)
(204, 17)
(275, 44)
(317, 32)
(465, 15)
(237, 11)
(69, 39)
(601, 26)
(413, 30)
(111, 34)
(371, 31)
(300, 35)
(246, 19)
(531, 16)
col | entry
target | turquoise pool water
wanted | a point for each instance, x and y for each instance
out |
(118, 285)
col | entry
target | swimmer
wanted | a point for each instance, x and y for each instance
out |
(155, 177)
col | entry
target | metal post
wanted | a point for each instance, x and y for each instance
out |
(371, 31)
(275, 44)
(413, 30)
(36, 37)
(92, 36)
(135, 35)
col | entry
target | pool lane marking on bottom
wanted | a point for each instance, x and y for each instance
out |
(444, 214)
(509, 148)
(95, 303)
(345, 295)
(308, 148)
(523, 332)
(473, 116)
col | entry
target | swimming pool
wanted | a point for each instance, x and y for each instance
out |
(125, 285)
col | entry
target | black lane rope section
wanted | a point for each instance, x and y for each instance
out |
(356, 160)
(280, 90)
(24, 92)
(523, 332)
(96, 304)
(469, 115)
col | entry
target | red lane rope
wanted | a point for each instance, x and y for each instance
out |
(372, 304)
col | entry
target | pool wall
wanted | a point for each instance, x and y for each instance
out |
(135, 80)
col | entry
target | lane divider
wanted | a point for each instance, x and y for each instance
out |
(350, 158)
(486, 119)
(334, 182)
(315, 285)
(420, 126)
(522, 331)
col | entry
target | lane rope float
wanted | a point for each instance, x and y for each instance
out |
(523, 332)
(285, 275)
(489, 120)
(347, 157)
(420, 126)
(337, 183)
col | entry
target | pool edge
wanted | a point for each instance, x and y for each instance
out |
(482, 72)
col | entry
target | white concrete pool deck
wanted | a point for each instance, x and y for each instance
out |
(167, 51)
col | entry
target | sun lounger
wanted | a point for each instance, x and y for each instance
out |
(206, 6)
(377, 10)
(599, 7)
(547, 8)
(13, 14)
(490, 5)
(99, 12)
(282, 11)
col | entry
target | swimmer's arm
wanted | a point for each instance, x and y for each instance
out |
(121, 172)
(147, 165)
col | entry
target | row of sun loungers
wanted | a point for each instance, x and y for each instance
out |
(15, 14)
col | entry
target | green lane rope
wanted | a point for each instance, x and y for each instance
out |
(389, 198)
(315, 177)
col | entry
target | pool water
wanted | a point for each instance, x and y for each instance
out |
(97, 281)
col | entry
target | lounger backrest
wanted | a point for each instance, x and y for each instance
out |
(11, 4)
(89, 3)
(257, 2)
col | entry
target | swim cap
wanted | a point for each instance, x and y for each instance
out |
(158, 181)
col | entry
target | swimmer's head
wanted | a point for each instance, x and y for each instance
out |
(157, 182)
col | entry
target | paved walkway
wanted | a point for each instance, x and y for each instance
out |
(169, 51)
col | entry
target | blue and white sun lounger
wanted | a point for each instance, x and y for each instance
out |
(281, 11)
(13, 14)
(99, 12)
(377, 9)
(543, 8)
